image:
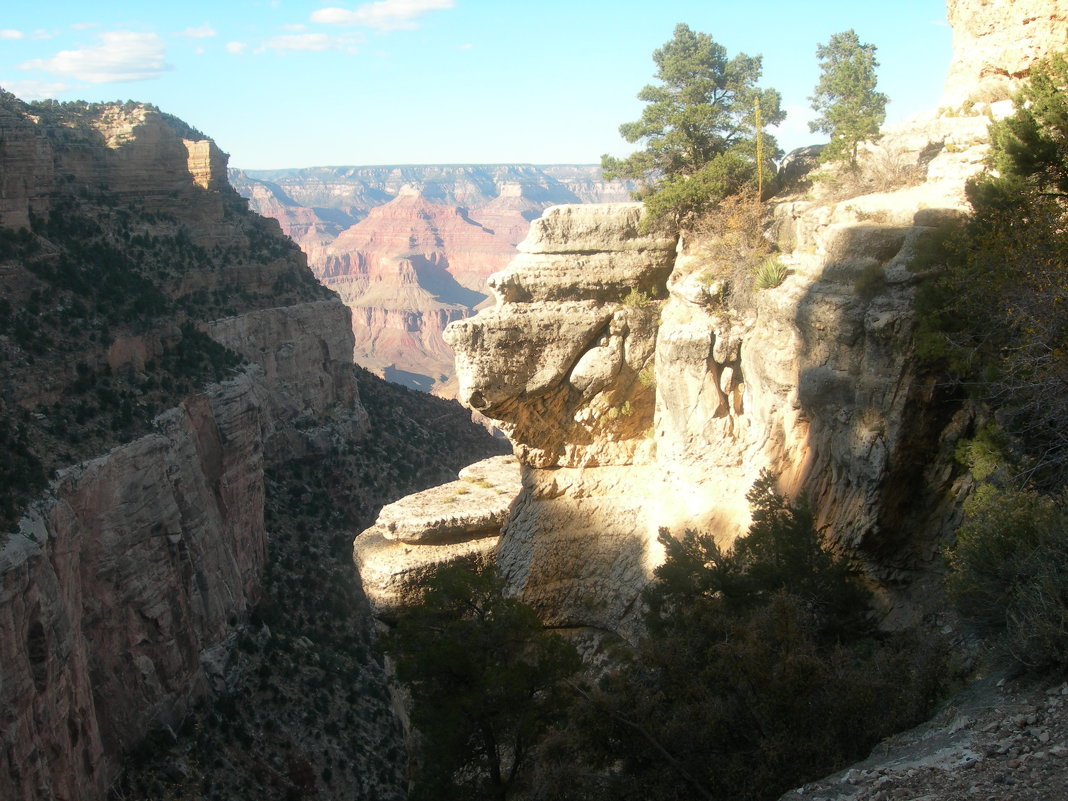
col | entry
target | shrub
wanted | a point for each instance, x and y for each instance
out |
(770, 273)
(730, 240)
(637, 299)
(485, 679)
(761, 669)
(878, 170)
(1010, 573)
(871, 282)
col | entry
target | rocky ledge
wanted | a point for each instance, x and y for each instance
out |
(998, 739)
(450, 522)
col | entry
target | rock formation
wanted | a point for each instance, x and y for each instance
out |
(114, 587)
(642, 390)
(996, 41)
(409, 248)
(458, 520)
(136, 562)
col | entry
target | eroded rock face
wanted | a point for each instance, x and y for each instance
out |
(632, 413)
(134, 566)
(118, 581)
(304, 351)
(995, 42)
(558, 362)
(413, 536)
(564, 362)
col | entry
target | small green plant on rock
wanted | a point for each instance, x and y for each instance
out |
(770, 273)
(871, 282)
(637, 299)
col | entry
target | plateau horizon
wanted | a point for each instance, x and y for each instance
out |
(290, 84)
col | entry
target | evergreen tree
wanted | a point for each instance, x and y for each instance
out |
(486, 684)
(761, 670)
(1029, 150)
(996, 316)
(850, 110)
(698, 130)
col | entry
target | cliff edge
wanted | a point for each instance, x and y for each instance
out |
(162, 346)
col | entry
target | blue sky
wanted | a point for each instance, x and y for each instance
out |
(294, 83)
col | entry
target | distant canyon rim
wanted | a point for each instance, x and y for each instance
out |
(409, 248)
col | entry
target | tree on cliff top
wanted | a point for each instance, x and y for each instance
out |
(699, 129)
(850, 110)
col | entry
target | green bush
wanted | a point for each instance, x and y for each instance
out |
(762, 669)
(871, 282)
(769, 273)
(486, 682)
(1009, 573)
(993, 317)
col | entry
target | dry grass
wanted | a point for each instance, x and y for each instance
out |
(730, 242)
(880, 170)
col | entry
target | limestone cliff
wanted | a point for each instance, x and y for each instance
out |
(117, 583)
(996, 41)
(122, 244)
(643, 388)
(459, 520)
(646, 386)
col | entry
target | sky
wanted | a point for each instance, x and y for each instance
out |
(299, 83)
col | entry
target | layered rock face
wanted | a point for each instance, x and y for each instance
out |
(409, 248)
(136, 563)
(646, 386)
(459, 520)
(406, 271)
(115, 585)
(996, 41)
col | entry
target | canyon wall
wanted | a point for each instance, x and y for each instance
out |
(995, 42)
(646, 384)
(409, 248)
(128, 574)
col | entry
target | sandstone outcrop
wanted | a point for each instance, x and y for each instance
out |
(995, 42)
(455, 521)
(643, 390)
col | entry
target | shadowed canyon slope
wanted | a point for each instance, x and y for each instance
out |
(163, 349)
(409, 248)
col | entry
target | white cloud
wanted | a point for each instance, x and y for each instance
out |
(10, 34)
(385, 15)
(237, 48)
(120, 56)
(204, 31)
(84, 26)
(315, 42)
(467, 46)
(41, 33)
(296, 27)
(35, 90)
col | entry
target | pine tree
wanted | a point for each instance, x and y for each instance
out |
(1029, 150)
(850, 110)
(698, 128)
